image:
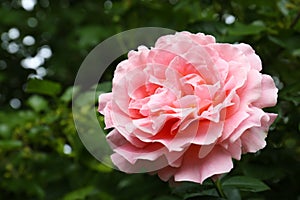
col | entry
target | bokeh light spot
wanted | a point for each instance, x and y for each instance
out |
(32, 22)
(28, 40)
(45, 52)
(28, 4)
(67, 149)
(15, 103)
(13, 47)
(13, 33)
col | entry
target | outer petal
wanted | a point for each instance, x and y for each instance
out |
(151, 158)
(218, 161)
(104, 108)
(166, 173)
(252, 90)
(140, 166)
(268, 96)
(254, 120)
(253, 59)
(254, 138)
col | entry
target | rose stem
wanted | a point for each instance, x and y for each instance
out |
(219, 188)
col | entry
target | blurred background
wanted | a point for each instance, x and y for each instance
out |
(43, 44)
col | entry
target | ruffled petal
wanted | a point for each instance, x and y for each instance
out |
(218, 161)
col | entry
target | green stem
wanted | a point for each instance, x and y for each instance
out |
(219, 188)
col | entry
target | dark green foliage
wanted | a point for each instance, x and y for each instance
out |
(36, 123)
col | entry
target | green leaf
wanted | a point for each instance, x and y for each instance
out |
(37, 103)
(296, 53)
(282, 6)
(243, 29)
(43, 87)
(166, 198)
(67, 95)
(261, 171)
(207, 194)
(277, 41)
(245, 183)
(81, 193)
(104, 87)
(4, 131)
(10, 144)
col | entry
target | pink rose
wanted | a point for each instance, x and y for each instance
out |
(186, 107)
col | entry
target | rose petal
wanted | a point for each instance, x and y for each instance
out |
(197, 170)
(208, 132)
(268, 97)
(253, 59)
(254, 138)
(105, 108)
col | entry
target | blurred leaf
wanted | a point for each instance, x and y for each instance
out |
(291, 93)
(96, 165)
(167, 198)
(10, 144)
(245, 183)
(205, 194)
(240, 29)
(43, 87)
(104, 87)
(67, 95)
(232, 193)
(90, 35)
(262, 172)
(277, 41)
(282, 6)
(296, 52)
(4, 131)
(203, 197)
(81, 193)
(37, 103)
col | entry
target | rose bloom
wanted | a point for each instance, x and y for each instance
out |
(184, 108)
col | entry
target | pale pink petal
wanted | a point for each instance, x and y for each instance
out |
(254, 120)
(254, 138)
(104, 108)
(115, 139)
(228, 52)
(208, 132)
(268, 96)
(253, 59)
(184, 138)
(232, 123)
(205, 150)
(196, 55)
(202, 39)
(103, 100)
(140, 166)
(166, 173)
(197, 170)
(251, 92)
(234, 148)
(134, 157)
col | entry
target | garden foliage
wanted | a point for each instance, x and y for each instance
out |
(41, 155)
